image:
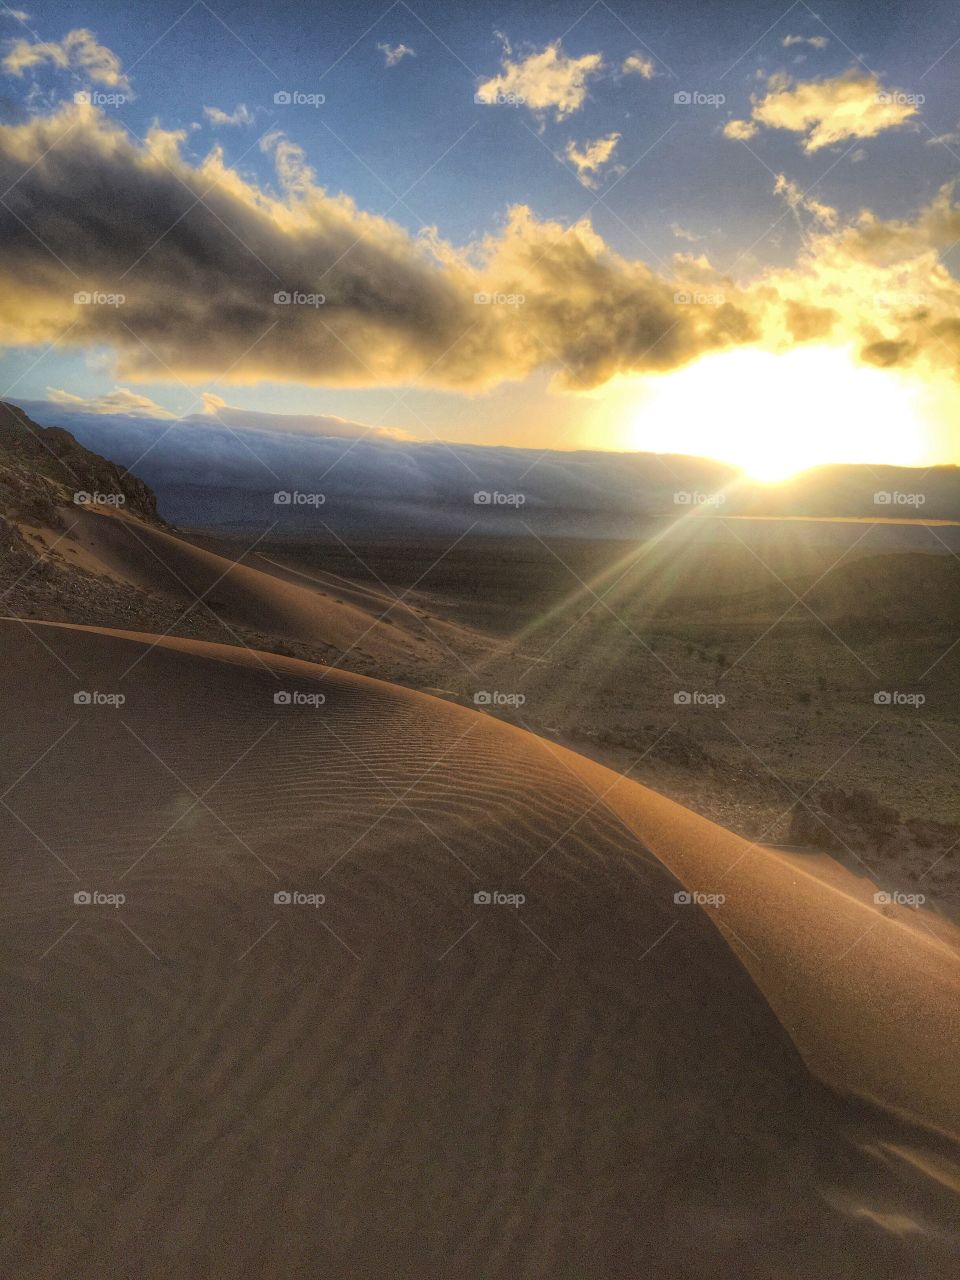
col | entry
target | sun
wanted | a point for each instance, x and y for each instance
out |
(774, 414)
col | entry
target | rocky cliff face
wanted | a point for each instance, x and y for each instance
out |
(44, 470)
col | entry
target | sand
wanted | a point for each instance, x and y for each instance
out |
(598, 1082)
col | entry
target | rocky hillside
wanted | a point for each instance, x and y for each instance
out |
(44, 470)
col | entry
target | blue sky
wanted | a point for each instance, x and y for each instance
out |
(399, 133)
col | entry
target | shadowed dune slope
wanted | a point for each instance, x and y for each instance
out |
(402, 1082)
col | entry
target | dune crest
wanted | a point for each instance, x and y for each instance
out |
(580, 1071)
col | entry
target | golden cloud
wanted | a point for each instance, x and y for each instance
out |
(544, 81)
(78, 51)
(852, 105)
(590, 160)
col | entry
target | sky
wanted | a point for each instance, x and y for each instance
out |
(718, 228)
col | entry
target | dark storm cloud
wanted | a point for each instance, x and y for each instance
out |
(198, 254)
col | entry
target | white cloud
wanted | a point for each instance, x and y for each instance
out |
(395, 53)
(639, 64)
(78, 51)
(119, 400)
(683, 234)
(815, 42)
(592, 158)
(544, 81)
(241, 114)
(951, 139)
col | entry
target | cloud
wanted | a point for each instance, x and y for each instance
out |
(592, 158)
(77, 51)
(119, 400)
(798, 199)
(199, 253)
(884, 284)
(18, 15)
(181, 287)
(639, 64)
(825, 112)
(951, 139)
(241, 114)
(308, 424)
(740, 130)
(683, 234)
(815, 42)
(411, 482)
(544, 81)
(395, 53)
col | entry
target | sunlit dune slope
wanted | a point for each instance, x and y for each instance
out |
(270, 603)
(402, 1081)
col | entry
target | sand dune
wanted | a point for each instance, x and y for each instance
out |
(268, 600)
(600, 1082)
